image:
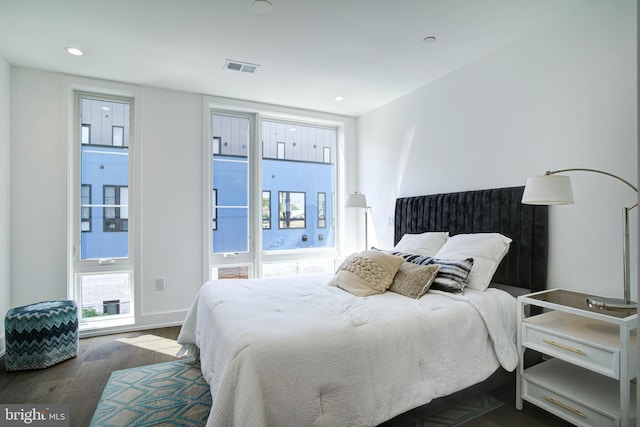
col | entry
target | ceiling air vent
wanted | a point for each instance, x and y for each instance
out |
(245, 67)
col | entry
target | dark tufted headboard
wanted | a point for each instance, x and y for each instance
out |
(494, 210)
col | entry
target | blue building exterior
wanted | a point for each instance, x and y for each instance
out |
(298, 178)
(104, 193)
(314, 180)
(298, 185)
(105, 171)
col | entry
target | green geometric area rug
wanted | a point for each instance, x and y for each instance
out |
(175, 393)
(171, 393)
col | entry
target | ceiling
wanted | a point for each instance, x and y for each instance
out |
(368, 51)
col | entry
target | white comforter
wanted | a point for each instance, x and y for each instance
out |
(295, 352)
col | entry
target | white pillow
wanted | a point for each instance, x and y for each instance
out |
(486, 249)
(427, 244)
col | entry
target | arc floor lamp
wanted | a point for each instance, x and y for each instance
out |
(553, 189)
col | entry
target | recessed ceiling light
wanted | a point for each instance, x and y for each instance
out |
(263, 7)
(429, 39)
(339, 98)
(74, 51)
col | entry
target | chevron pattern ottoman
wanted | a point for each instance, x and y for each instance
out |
(40, 335)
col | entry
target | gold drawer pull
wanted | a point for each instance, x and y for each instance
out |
(574, 350)
(563, 406)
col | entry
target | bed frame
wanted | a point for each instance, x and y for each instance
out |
(496, 210)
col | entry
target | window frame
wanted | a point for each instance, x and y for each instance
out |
(80, 268)
(306, 258)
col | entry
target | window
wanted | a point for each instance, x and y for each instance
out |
(230, 179)
(263, 182)
(238, 272)
(85, 207)
(111, 307)
(95, 288)
(101, 260)
(326, 155)
(292, 209)
(117, 136)
(116, 211)
(266, 210)
(305, 167)
(322, 210)
(86, 134)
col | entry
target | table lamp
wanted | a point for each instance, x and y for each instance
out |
(552, 189)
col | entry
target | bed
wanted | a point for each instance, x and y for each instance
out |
(305, 351)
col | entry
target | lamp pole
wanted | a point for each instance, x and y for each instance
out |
(366, 228)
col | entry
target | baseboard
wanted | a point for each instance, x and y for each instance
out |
(119, 330)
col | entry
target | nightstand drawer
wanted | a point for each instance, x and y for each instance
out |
(564, 407)
(594, 357)
(576, 394)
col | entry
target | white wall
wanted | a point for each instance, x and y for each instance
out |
(169, 183)
(562, 97)
(38, 176)
(168, 176)
(637, 256)
(5, 137)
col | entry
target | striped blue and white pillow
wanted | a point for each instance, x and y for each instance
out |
(452, 275)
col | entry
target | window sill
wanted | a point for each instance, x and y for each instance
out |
(88, 327)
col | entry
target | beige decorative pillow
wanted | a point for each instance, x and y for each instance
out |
(413, 280)
(367, 273)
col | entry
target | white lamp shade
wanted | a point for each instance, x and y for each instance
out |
(356, 200)
(548, 190)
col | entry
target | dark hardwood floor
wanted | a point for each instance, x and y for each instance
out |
(79, 382)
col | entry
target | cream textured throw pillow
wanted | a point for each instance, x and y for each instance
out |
(413, 280)
(367, 273)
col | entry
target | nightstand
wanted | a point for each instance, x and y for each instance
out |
(587, 375)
